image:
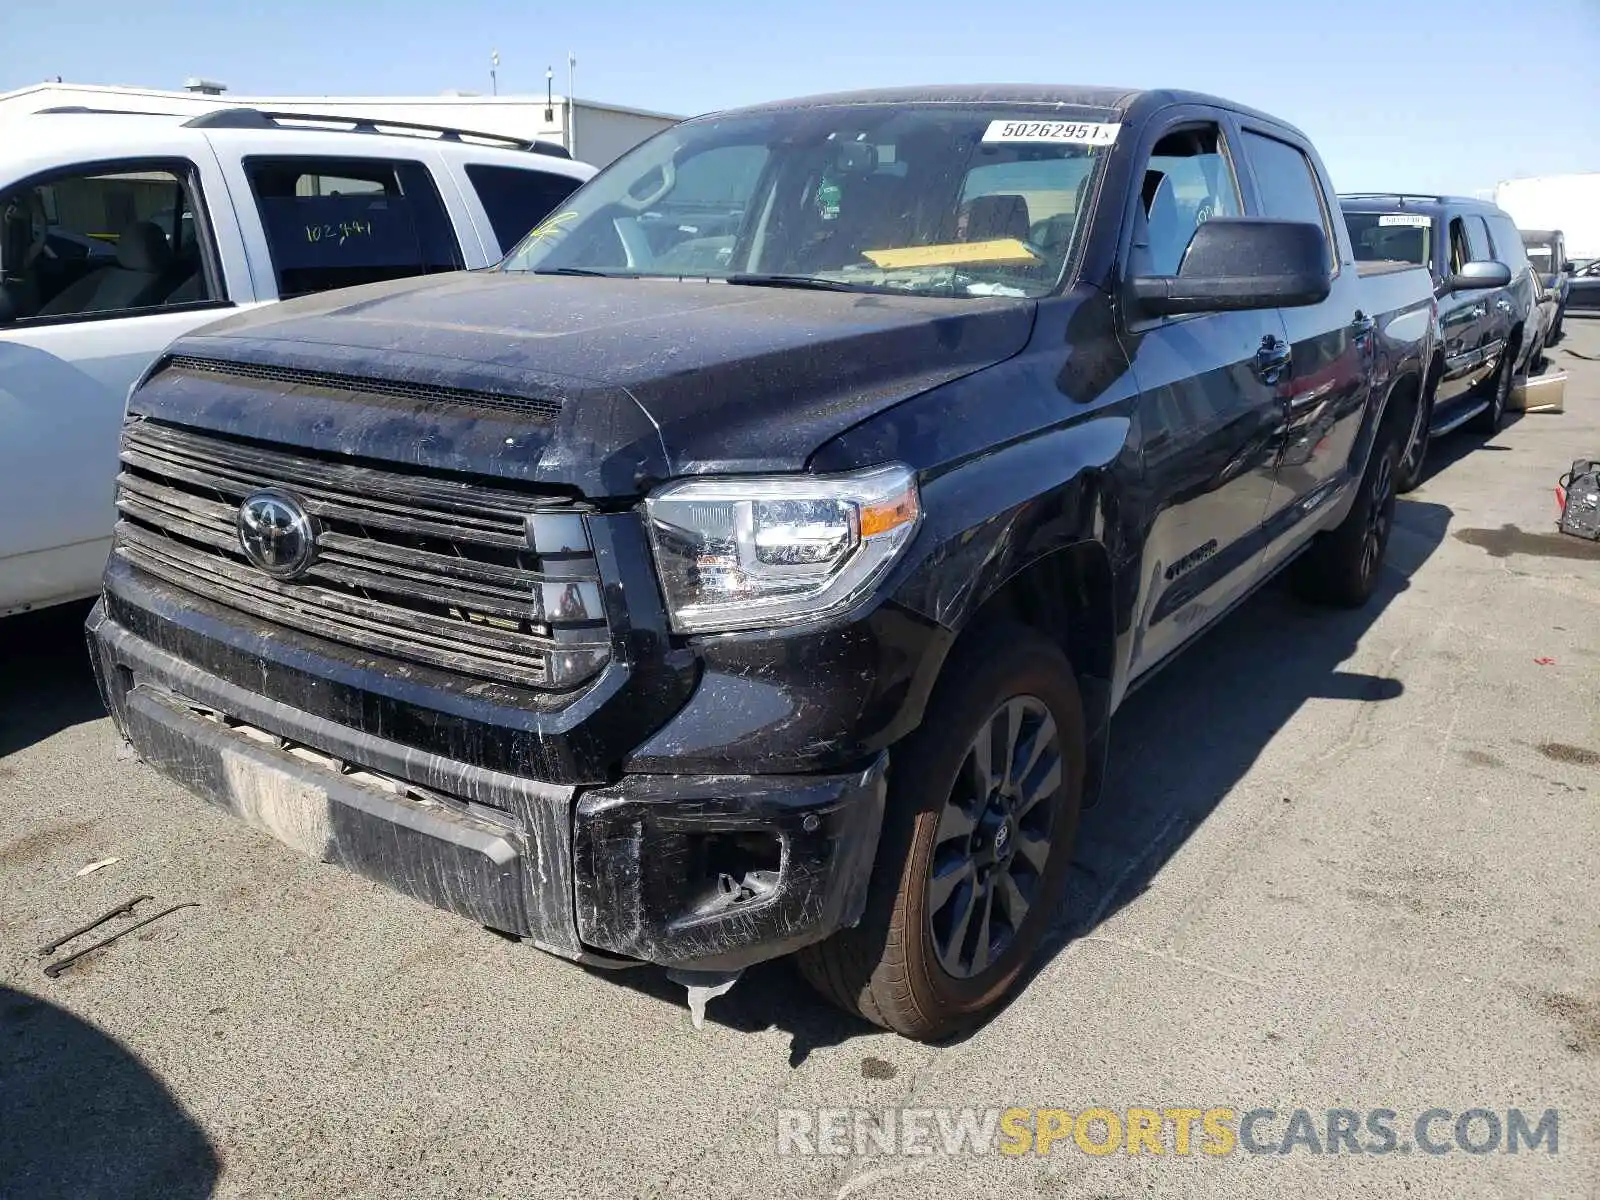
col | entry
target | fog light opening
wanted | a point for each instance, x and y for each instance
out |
(736, 869)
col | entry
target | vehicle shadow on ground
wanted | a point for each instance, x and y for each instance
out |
(1179, 745)
(80, 1115)
(1445, 452)
(1182, 742)
(46, 684)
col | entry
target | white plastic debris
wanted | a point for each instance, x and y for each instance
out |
(95, 866)
(704, 987)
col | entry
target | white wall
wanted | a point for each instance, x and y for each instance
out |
(604, 135)
(1570, 203)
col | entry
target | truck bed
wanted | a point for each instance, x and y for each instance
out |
(1384, 267)
(1393, 290)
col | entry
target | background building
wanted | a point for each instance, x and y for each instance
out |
(1570, 203)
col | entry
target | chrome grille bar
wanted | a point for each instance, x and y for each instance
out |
(410, 566)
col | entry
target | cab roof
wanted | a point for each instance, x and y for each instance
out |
(1422, 203)
(1120, 101)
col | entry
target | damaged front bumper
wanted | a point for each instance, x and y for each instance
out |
(706, 873)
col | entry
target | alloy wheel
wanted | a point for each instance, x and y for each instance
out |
(1379, 515)
(1411, 467)
(1502, 392)
(993, 837)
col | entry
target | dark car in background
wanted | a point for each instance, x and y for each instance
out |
(1547, 253)
(1583, 293)
(1489, 323)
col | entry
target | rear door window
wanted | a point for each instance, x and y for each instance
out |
(517, 199)
(333, 223)
(1288, 186)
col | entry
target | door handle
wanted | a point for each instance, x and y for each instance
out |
(1273, 360)
(1503, 305)
(1363, 324)
(1479, 310)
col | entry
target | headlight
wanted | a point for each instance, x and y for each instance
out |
(757, 552)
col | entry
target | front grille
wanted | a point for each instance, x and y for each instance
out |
(411, 567)
(427, 394)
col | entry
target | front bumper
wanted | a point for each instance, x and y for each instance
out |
(705, 872)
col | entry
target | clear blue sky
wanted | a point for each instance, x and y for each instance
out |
(1449, 94)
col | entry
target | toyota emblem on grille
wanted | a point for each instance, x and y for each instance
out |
(276, 533)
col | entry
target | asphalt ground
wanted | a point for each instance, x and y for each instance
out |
(1346, 861)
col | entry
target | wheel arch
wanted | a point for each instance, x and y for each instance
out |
(1067, 594)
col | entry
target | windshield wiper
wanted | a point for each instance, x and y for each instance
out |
(586, 272)
(793, 281)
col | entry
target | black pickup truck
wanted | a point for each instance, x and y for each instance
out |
(1490, 328)
(696, 595)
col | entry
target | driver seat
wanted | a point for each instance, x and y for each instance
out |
(138, 279)
(991, 218)
(24, 231)
(1160, 244)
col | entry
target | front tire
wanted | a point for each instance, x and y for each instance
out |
(1413, 462)
(978, 834)
(1490, 420)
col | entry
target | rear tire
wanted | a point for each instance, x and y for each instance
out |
(956, 908)
(1342, 566)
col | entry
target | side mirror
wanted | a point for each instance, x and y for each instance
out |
(1569, 268)
(1236, 263)
(1483, 273)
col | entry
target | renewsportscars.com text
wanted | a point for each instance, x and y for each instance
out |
(1182, 1131)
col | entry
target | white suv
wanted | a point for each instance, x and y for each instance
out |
(121, 231)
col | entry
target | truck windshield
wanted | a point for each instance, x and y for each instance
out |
(932, 199)
(1391, 237)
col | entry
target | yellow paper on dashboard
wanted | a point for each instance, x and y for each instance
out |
(952, 254)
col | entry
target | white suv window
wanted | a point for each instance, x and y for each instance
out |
(335, 222)
(515, 199)
(101, 242)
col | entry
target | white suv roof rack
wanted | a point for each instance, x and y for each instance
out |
(255, 118)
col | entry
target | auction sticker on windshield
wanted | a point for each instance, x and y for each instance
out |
(1070, 133)
(1411, 220)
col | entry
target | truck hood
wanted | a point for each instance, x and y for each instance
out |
(604, 385)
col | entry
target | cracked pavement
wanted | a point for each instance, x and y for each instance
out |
(1345, 860)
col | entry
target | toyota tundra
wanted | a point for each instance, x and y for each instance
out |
(752, 562)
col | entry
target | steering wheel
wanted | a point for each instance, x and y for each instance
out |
(669, 177)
